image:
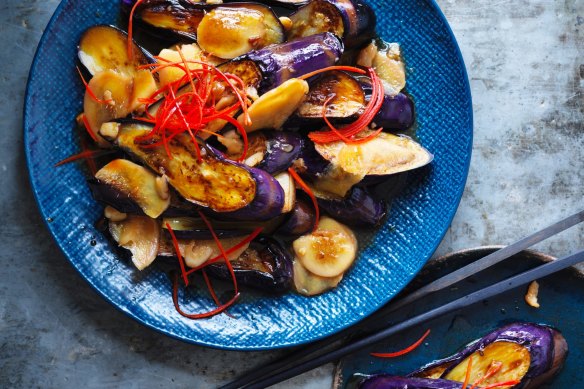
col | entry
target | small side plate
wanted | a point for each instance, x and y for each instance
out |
(561, 298)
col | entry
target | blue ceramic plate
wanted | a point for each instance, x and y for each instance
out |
(561, 298)
(419, 216)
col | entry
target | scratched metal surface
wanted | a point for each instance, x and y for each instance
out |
(526, 66)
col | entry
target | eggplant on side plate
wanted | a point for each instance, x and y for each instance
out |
(526, 353)
(530, 353)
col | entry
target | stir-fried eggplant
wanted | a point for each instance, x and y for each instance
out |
(358, 208)
(272, 151)
(233, 30)
(224, 30)
(213, 181)
(347, 98)
(383, 155)
(293, 4)
(352, 20)
(265, 265)
(529, 353)
(279, 63)
(300, 220)
(168, 18)
(106, 48)
(396, 112)
(131, 188)
(386, 381)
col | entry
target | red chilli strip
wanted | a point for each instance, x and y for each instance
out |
(245, 241)
(405, 350)
(88, 128)
(499, 384)
(86, 154)
(178, 254)
(222, 250)
(308, 191)
(210, 287)
(353, 141)
(363, 121)
(90, 160)
(345, 68)
(467, 375)
(131, 29)
(89, 91)
(494, 368)
(197, 315)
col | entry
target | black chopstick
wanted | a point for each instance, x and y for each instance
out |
(503, 286)
(380, 318)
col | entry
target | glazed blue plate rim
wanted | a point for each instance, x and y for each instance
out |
(209, 340)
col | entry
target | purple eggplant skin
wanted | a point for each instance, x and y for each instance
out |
(359, 19)
(178, 18)
(357, 209)
(300, 220)
(281, 62)
(108, 195)
(385, 381)
(291, 4)
(267, 202)
(267, 267)
(547, 347)
(353, 20)
(310, 163)
(283, 148)
(396, 113)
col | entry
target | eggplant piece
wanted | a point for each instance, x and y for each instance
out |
(233, 30)
(187, 227)
(300, 221)
(396, 112)
(106, 48)
(358, 209)
(265, 265)
(327, 251)
(383, 155)
(347, 98)
(214, 182)
(386, 381)
(227, 31)
(279, 63)
(129, 188)
(530, 353)
(140, 235)
(351, 20)
(168, 19)
(273, 151)
(293, 4)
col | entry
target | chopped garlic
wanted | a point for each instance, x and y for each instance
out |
(531, 295)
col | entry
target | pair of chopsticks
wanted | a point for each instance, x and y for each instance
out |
(374, 328)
